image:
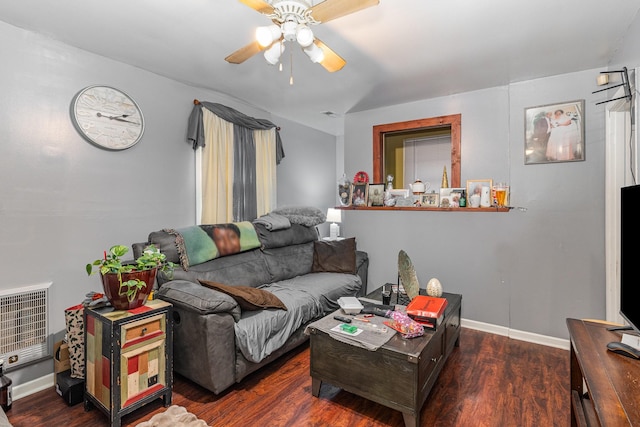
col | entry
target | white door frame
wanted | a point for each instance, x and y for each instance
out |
(620, 146)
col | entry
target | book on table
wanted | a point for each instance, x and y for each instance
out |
(427, 310)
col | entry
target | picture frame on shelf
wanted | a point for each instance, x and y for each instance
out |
(474, 188)
(455, 194)
(376, 195)
(431, 200)
(359, 194)
(399, 192)
(446, 201)
(554, 133)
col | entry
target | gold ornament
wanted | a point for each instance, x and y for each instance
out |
(445, 180)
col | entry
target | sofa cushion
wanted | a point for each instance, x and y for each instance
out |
(243, 269)
(186, 294)
(303, 215)
(294, 235)
(166, 243)
(334, 256)
(248, 298)
(289, 261)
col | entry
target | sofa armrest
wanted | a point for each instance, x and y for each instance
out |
(195, 297)
(362, 270)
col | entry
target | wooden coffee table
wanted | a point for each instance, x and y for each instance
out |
(399, 375)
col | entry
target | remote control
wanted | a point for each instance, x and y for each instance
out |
(342, 319)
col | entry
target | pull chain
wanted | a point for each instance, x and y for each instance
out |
(291, 69)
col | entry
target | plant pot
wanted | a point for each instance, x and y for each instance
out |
(118, 298)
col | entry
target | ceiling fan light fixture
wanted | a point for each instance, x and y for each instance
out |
(267, 34)
(289, 30)
(314, 53)
(272, 55)
(304, 35)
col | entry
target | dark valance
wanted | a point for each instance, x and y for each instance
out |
(195, 131)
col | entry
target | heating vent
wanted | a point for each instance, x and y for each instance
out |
(24, 325)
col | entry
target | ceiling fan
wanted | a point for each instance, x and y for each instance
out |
(291, 22)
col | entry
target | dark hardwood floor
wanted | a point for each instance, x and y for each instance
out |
(489, 380)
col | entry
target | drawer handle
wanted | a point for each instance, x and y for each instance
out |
(143, 331)
(434, 360)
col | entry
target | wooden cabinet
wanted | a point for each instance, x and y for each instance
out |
(128, 358)
(605, 386)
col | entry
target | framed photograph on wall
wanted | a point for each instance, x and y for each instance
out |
(359, 194)
(554, 133)
(376, 195)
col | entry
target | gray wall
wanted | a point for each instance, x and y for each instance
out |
(525, 270)
(306, 174)
(63, 201)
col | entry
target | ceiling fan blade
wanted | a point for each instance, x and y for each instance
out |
(244, 53)
(332, 9)
(259, 5)
(332, 62)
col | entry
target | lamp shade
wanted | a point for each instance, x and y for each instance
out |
(334, 215)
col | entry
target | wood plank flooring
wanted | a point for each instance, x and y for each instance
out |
(490, 380)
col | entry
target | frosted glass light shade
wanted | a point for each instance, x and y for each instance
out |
(267, 34)
(304, 35)
(314, 53)
(272, 55)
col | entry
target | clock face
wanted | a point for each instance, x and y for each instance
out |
(107, 117)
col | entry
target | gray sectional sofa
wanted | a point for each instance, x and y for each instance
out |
(216, 342)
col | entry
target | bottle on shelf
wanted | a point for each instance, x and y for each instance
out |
(463, 199)
(5, 389)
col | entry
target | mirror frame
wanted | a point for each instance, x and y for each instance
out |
(453, 120)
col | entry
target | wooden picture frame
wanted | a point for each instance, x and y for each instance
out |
(554, 133)
(455, 194)
(359, 194)
(474, 187)
(430, 200)
(376, 195)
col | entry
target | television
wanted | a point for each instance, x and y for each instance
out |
(629, 238)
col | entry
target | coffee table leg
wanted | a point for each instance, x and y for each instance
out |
(410, 420)
(315, 386)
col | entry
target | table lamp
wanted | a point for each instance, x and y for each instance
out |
(334, 216)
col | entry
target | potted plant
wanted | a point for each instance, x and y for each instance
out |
(127, 284)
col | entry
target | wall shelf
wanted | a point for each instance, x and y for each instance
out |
(409, 208)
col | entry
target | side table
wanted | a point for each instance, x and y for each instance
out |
(128, 358)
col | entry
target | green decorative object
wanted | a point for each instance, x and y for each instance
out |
(408, 277)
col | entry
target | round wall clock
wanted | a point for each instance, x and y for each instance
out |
(107, 117)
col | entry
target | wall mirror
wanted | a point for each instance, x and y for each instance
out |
(418, 149)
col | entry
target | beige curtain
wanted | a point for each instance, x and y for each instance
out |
(217, 170)
(265, 170)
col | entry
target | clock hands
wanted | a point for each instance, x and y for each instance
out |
(120, 118)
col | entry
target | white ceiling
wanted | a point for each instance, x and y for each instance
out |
(396, 52)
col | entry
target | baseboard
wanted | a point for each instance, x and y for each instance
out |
(516, 334)
(33, 386)
(47, 381)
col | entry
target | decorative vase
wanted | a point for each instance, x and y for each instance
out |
(119, 299)
(344, 188)
(434, 288)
